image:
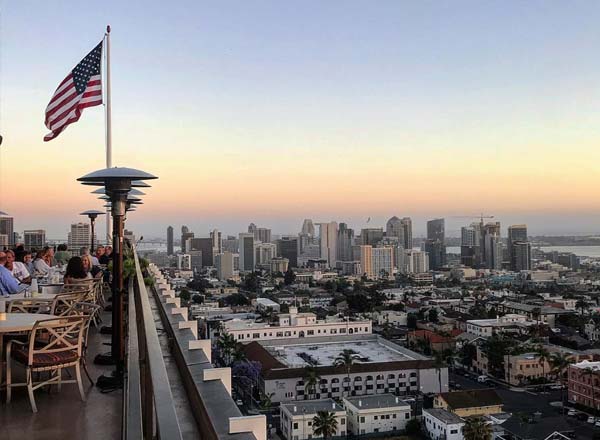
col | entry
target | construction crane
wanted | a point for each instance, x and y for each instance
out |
(480, 216)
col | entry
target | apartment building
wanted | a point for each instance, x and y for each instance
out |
(584, 384)
(376, 414)
(442, 425)
(297, 419)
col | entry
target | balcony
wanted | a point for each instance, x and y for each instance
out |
(171, 390)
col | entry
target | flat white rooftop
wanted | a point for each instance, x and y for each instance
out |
(325, 353)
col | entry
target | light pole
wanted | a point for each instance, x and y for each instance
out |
(92, 214)
(117, 182)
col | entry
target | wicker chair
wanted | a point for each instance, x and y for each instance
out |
(86, 311)
(62, 348)
(29, 305)
(63, 302)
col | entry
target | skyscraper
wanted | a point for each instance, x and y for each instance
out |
(371, 236)
(7, 228)
(382, 259)
(365, 254)
(522, 255)
(185, 236)
(170, 240)
(264, 253)
(393, 227)
(435, 243)
(417, 261)
(217, 242)
(204, 245)
(308, 228)
(263, 235)
(252, 229)
(407, 232)
(224, 264)
(246, 245)
(491, 245)
(345, 241)
(515, 233)
(328, 242)
(288, 248)
(78, 237)
(34, 239)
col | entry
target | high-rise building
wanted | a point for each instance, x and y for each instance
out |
(400, 261)
(435, 243)
(407, 232)
(204, 245)
(217, 242)
(382, 259)
(345, 241)
(252, 229)
(78, 237)
(515, 233)
(34, 239)
(279, 264)
(308, 228)
(522, 255)
(491, 245)
(470, 252)
(195, 260)
(328, 242)
(3, 241)
(246, 245)
(371, 236)
(263, 235)
(230, 244)
(393, 228)
(365, 256)
(417, 261)
(264, 253)
(7, 228)
(170, 240)
(185, 236)
(287, 247)
(225, 265)
(184, 262)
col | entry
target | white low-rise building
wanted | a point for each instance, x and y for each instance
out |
(393, 317)
(295, 325)
(297, 419)
(266, 303)
(442, 425)
(376, 414)
(509, 322)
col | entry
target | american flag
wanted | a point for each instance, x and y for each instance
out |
(80, 89)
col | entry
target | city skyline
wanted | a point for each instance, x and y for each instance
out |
(407, 109)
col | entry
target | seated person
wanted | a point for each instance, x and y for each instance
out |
(18, 269)
(8, 284)
(76, 271)
(86, 251)
(94, 271)
(107, 256)
(40, 264)
(62, 255)
(28, 261)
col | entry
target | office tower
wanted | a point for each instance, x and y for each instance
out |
(417, 261)
(382, 259)
(371, 236)
(170, 240)
(470, 254)
(279, 264)
(264, 253)
(230, 244)
(252, 229)
(522, 255)
(225, 265)
(399, 258)
(491, 245)
(288, 247)
(184, 262)
(515, 233)
(3, 241)
(7, 228)
(185, 236)
(246, 245)
(345, 241)
(263, 235)
(205, 245)
(328, 242)
(407, 232)
(34, 239)
(365, 256)
(393, 227)
(78, 237)
(195, 260)
(308, 228)
(435, 243)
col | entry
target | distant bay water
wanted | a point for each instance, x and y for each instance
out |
(580, 251)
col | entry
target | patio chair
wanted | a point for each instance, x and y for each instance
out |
(62, 349)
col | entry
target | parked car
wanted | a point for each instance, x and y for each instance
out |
(597, 423)
(591, 419)
(572, 412)
(482, 379)
(239, 402)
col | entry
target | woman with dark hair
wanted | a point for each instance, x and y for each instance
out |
(75, 271)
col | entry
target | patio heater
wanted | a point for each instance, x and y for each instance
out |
(92, 214)
(117, 183)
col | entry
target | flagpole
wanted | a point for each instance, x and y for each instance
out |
(108, 120)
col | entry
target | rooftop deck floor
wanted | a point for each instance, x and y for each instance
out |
(62, 415)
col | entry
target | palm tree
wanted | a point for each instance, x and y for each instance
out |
(346, 359)
(325, 424)
(543, 358)
(559, 363)
(311, 379)
(476, 428)
(438, 364)
(226, 345)
(581, 305)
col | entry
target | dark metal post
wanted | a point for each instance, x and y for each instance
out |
(92, 222)
(118, 334)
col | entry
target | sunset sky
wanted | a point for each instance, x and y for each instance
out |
(271, 111)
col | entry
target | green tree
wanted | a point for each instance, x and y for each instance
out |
(582, 306)
(413, 427)
(346, 359)
(433, 315)
(439, 362)
(411, 321)
(226, 346)
(543, 357)
(559, 363)
(289, 277)
(197, 299)
(495, 348)
(185, 295)
(325, 424)
(476, 428)
(311, 379)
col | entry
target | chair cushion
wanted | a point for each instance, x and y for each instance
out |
(21, 354)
